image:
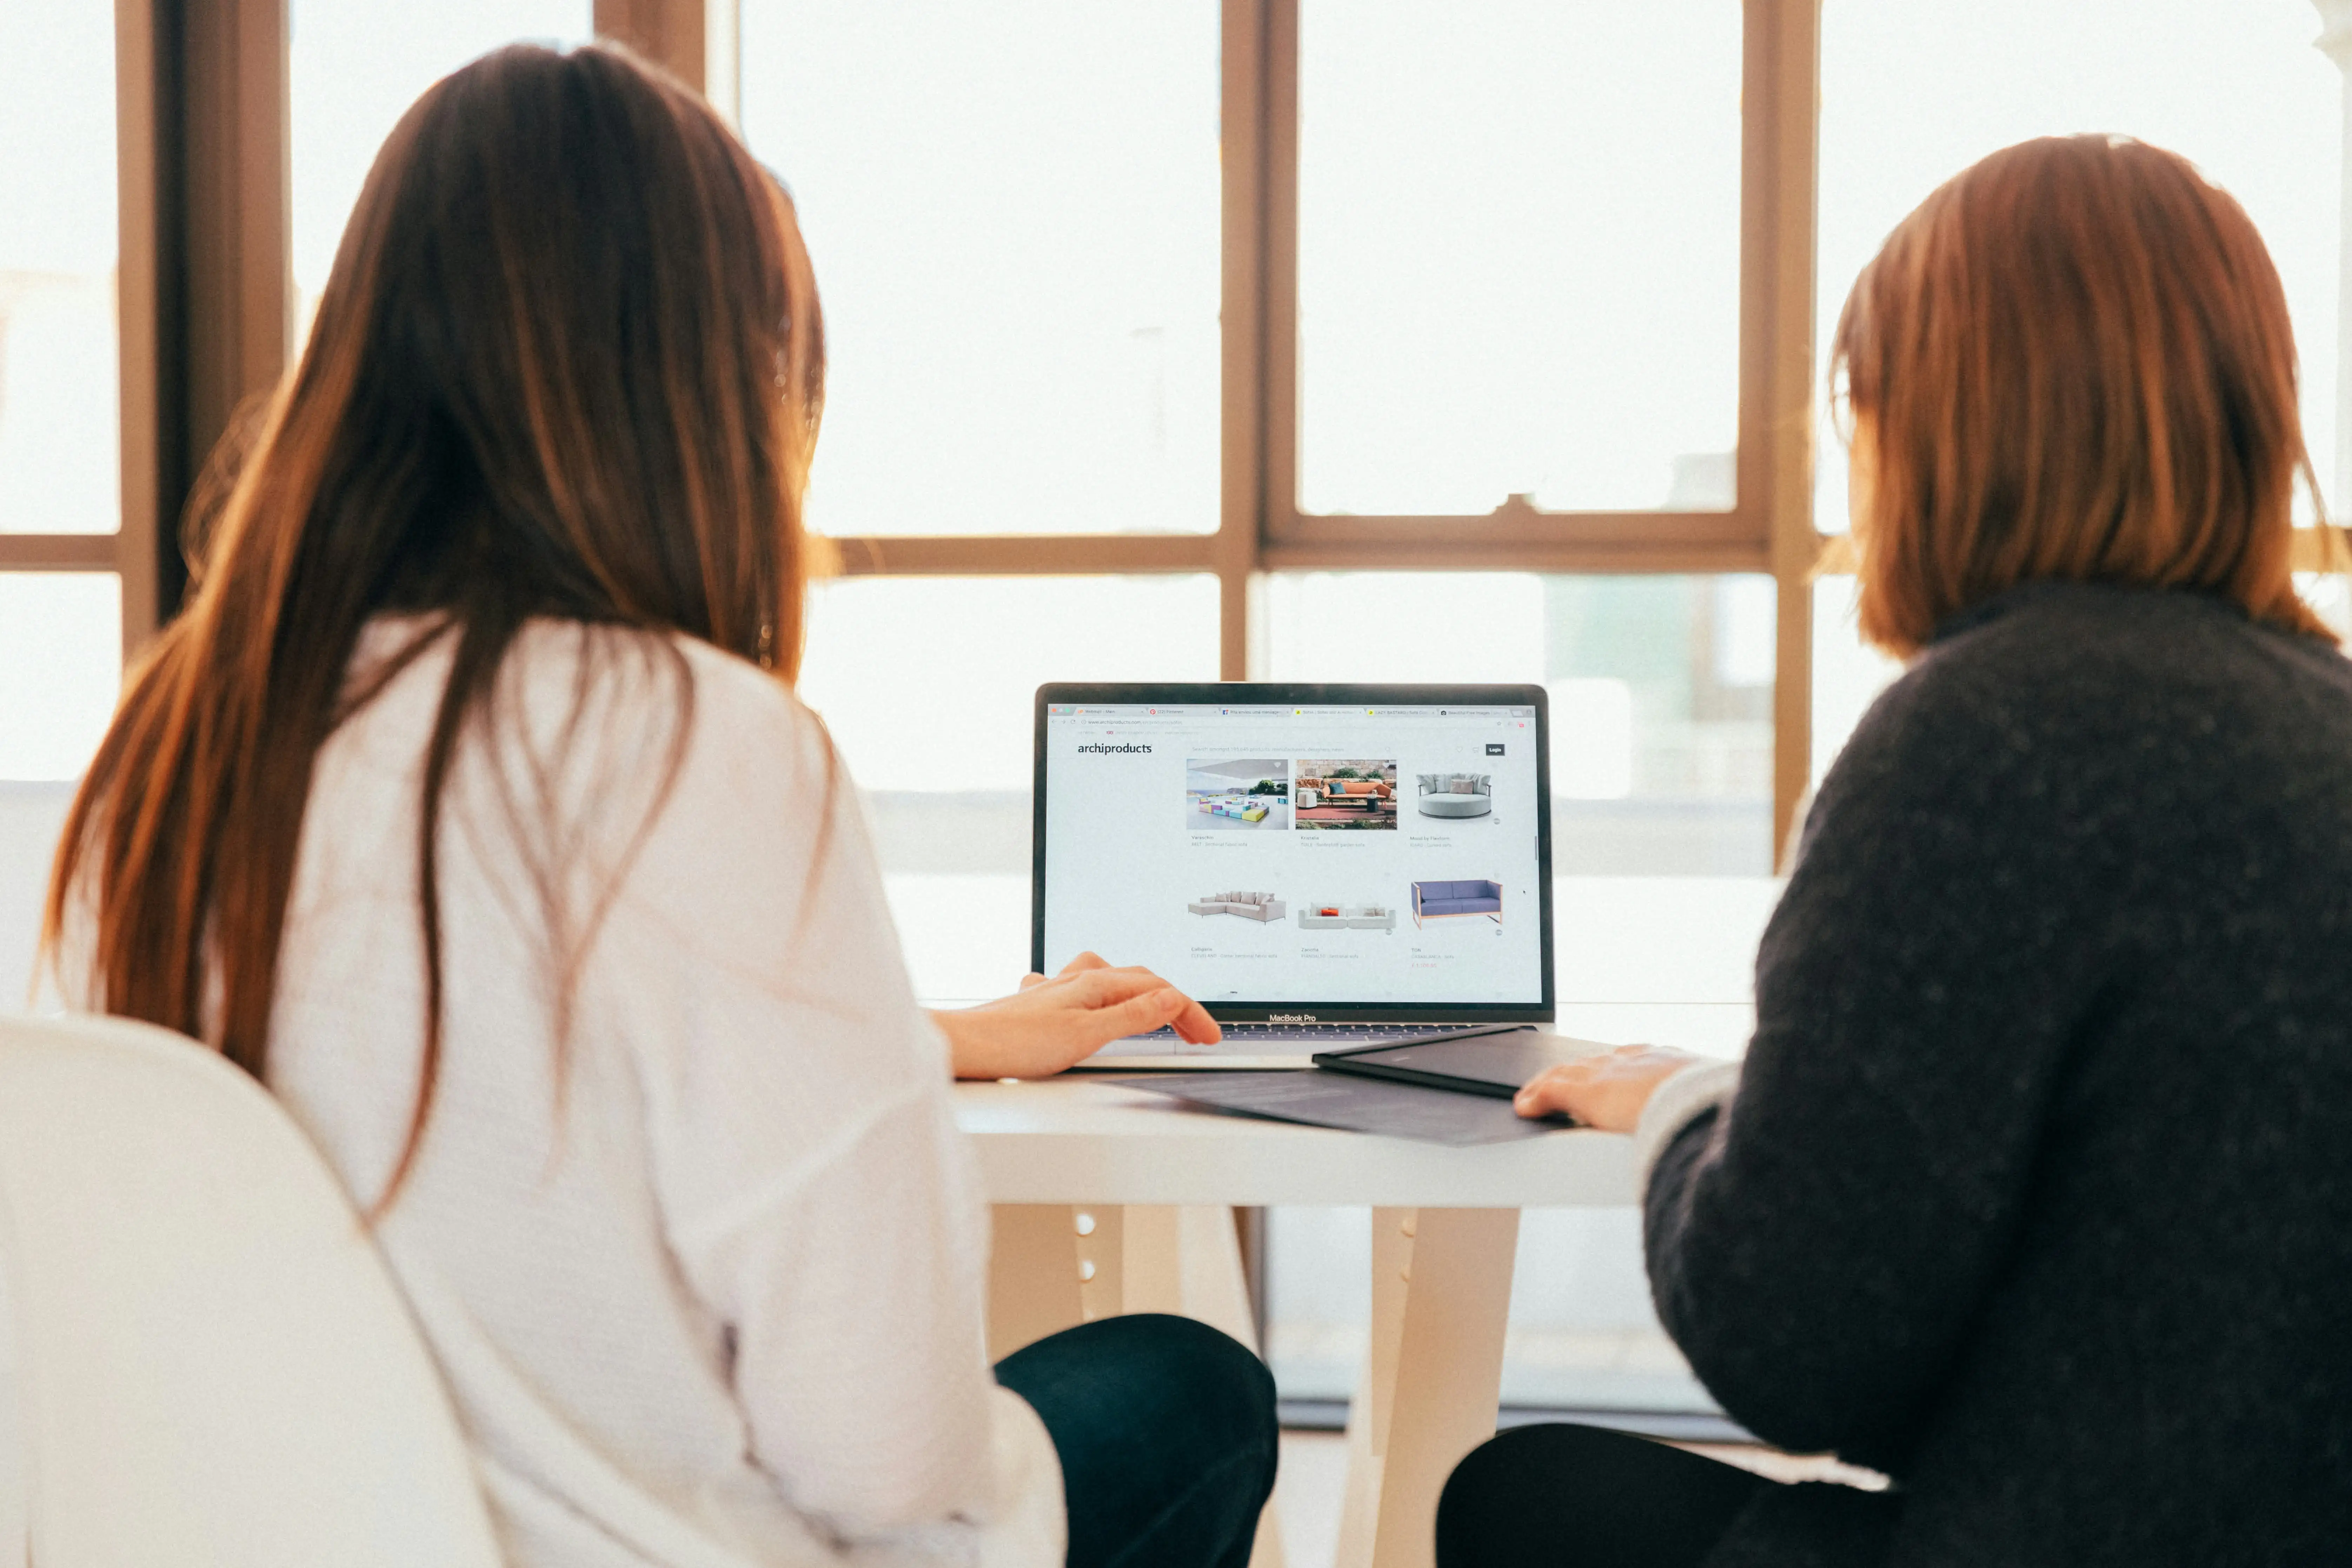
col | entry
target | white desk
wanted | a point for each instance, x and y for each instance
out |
(1114, 1200)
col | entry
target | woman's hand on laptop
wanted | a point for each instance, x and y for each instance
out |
(1607, 1090)
(1051, 1024)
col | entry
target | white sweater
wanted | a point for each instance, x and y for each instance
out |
(711, 1295)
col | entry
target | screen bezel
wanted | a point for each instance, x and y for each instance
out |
(1304, 695)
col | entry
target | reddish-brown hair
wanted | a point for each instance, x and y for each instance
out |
(2073, 360)
(569, 363)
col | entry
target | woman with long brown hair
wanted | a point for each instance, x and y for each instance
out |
(468, 807)
(2034, 1189)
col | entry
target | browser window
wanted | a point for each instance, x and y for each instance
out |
(1273, 854)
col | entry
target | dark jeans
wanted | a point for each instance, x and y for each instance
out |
(1165, 1432)
(1560, 1495)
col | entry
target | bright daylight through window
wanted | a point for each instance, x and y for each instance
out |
(1518, 256)
(60, 639)
(1016, 227)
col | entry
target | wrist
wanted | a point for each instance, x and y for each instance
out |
(956, 1027)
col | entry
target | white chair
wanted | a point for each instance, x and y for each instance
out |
(205, 1360)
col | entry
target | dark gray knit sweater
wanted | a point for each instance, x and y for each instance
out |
(2036, 1193)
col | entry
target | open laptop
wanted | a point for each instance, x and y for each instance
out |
(1321, 867)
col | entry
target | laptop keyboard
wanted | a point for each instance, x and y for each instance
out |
(1323, 1035)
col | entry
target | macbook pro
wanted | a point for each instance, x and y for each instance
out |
(1321, 867)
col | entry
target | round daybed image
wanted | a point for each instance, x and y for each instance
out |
(1456, 794)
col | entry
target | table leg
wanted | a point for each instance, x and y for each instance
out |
(1432, 1375)
(1033, 1284)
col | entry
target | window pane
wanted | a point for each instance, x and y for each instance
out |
(31, 817)
(1661, 694)
(928, 684)
(1518, 255)
(60, 670)
(1914, 90)
(1848, 673)
(356, 66)
(1013, 211)
(59, 423)
(2330, 594)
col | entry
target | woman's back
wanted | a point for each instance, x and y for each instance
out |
(706, 1292)
(2038, 1189)
(562, 935)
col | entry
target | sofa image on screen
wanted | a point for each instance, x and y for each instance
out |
(1248, 807)
(1442, 900)
(1249, 906)
(1355, 917)
(1456, 794)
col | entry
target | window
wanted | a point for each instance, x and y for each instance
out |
(1660, 688)
(1518, 256)
(60, 450)
(927, 682)
(60, 662)
(60, 456)
(354, 66)
(1014, 227)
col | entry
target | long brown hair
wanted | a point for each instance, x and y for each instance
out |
(569, 363)
(2073, 360)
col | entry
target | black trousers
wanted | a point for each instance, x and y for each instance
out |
(1557, 1496)
(1167, 1438)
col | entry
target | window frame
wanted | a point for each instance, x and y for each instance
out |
(202, 278)
(1261, 529)
(206, 299)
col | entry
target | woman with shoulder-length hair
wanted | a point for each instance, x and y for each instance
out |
(2034, 1191)
(468, 807)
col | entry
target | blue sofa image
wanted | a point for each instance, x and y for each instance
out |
(1435, 900)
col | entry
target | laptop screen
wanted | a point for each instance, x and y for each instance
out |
(1381, 856)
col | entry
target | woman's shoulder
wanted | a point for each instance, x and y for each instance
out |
(2063, 635)
(2068, 699)
(2093, 661)
(646, 747)
(648, 690)
(701, 781)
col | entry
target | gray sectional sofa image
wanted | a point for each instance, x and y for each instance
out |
(1438, 900)
(1455, 795)
(1249, 906)
(1356, 917)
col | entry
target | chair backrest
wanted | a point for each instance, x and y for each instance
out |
(207, 1361)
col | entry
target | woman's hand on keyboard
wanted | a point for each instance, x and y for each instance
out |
(1607, 1090)
(1051, 1024)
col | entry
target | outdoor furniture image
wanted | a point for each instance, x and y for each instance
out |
(1456, 794)
(1437, 900)
(1249, 906)
(1352, 795)
(1356, 917)
(1363, 795)
(1228, 793)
